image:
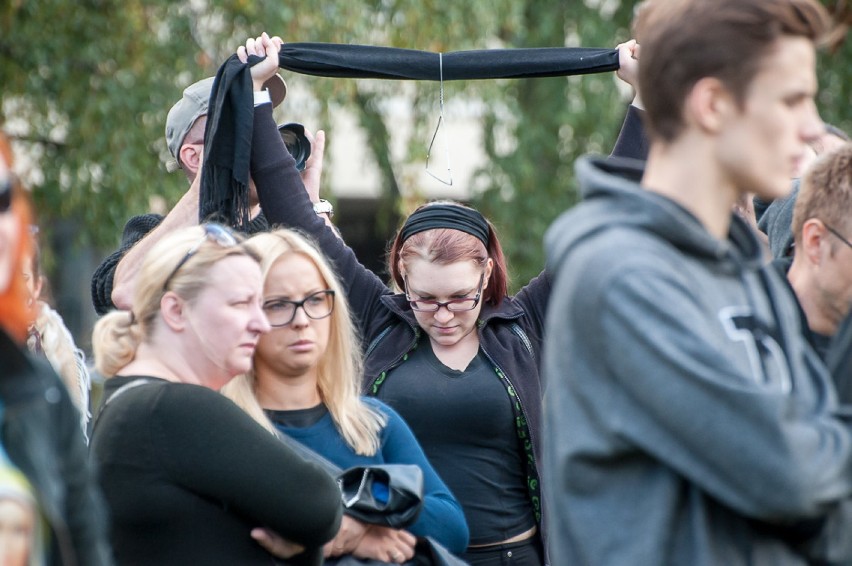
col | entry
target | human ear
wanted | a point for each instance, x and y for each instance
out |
(489, 267)
(172, 311)
(709, 105)
(191, 155)
(813, 235)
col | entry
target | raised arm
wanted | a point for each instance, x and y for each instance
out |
(628, 68)
(184, 213)
(285, 201)
(632, 140)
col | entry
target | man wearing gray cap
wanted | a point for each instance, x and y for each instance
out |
(114, 279)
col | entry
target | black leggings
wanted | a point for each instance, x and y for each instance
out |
(522, 553)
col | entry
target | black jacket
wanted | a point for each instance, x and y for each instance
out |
(41, 434)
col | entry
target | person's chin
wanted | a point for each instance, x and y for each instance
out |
(780, 188)
(302, 362)
(242, 364)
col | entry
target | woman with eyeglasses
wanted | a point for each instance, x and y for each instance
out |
(51, 511)
(189, 477)
(305, 383)
(451, 352)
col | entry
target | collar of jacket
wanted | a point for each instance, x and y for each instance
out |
(17, 367)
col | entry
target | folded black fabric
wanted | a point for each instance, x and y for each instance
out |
(383, 494)
(370, 62)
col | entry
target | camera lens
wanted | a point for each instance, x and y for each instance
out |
(296, 142)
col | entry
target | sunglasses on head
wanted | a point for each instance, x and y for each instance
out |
(213, 232)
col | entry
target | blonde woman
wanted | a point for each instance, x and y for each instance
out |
(189, 477)
(305, 383)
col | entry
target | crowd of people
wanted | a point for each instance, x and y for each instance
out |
(672, 388)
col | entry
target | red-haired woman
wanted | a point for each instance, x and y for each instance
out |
(50, 511)
(452, 352)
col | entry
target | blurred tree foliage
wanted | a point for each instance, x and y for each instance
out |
(86, 86)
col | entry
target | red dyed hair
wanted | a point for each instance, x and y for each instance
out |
(14, 316)
(444, 246)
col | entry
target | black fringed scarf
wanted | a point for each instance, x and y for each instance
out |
(227, 147)
(227, 140)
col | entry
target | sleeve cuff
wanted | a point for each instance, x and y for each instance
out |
(262, 97)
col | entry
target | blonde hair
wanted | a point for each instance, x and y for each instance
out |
(117, 335)
(340, 370)
(65, 357)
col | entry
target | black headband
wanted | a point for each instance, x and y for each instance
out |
(447, 216)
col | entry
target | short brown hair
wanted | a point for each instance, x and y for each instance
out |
(826, 192)
(684, 41)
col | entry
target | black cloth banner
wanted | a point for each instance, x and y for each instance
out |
(227, 139)
(370, 62)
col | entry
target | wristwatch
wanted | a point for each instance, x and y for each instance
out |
(324, 207)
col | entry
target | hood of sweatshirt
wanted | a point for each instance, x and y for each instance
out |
(612, 196)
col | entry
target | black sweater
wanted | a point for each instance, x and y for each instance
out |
(187, 475)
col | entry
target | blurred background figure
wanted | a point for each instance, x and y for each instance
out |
(820, 269)
(48, 336)
(775, 218)
(20, 536)
(50, 510)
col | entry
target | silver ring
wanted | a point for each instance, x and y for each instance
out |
(396, 556)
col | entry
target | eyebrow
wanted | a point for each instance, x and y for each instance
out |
(285, 297)
(422, 294)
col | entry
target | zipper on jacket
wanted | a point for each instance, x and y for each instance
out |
(379, 379)
(538, 513)
(525, 340)
(376, 340)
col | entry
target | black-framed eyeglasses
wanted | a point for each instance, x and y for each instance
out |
(281, 312)
(840, 236)
(453, 305)
(212, 232)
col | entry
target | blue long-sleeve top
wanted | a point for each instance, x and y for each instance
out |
(441, 517)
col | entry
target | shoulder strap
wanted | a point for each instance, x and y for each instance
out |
(120, 391)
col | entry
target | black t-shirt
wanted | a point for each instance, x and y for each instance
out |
(465, 423)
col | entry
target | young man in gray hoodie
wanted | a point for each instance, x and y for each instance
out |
(688, 421)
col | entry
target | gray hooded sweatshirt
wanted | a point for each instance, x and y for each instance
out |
(687, 421)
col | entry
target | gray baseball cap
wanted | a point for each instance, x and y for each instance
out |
(193, 105)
